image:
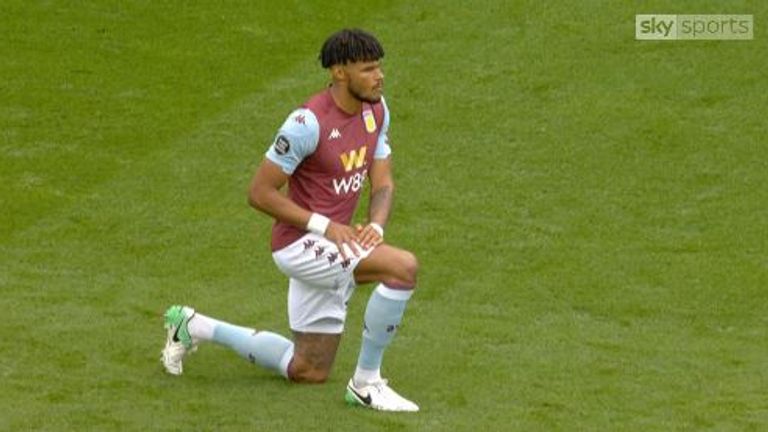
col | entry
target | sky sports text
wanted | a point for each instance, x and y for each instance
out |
(694, 27)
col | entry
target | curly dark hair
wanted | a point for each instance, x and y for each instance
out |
(350, 45)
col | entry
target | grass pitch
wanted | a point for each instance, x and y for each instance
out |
(589, 211)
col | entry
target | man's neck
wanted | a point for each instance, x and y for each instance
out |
(345, 101)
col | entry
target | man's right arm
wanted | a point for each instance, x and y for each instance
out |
(296, 140)
(264, 195)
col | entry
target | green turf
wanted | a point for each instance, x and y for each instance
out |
(589, 212)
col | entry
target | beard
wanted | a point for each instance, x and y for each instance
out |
(357, 94)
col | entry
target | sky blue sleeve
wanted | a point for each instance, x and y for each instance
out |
(296, 139)
(382, 146)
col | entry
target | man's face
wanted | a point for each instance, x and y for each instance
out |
(365, 80)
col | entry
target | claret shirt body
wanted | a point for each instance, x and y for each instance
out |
(327, 153)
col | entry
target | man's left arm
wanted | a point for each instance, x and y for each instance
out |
(382, 192)
(382, 189)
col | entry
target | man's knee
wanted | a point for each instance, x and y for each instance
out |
(300, 372)
(406, 273)
(410, 268)
(313, 357)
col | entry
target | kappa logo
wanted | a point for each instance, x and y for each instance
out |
(335, 134)
(308, 244)
(319, 252)
(354, 159)
(300, 119)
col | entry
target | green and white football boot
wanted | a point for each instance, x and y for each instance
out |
(178, 342)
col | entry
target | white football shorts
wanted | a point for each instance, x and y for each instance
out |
(321, 283)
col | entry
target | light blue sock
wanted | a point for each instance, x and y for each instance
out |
(382, 318)
(264, 348)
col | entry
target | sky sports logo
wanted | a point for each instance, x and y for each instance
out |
(694, 27)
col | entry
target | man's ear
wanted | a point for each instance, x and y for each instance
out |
(338, 73)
